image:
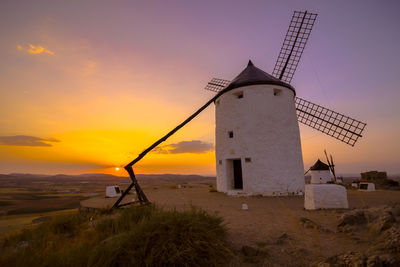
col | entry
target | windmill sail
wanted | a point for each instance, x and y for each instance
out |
(217, 84)
(329, 122)
(293, 45)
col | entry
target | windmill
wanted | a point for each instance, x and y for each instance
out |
(278, 170)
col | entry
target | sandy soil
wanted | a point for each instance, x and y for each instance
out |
(276, 222)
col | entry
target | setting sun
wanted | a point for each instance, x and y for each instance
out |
(117, 168)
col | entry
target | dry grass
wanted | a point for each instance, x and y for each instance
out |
(138, 236)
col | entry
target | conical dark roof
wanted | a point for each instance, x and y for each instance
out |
(252, 75)
(319, 166)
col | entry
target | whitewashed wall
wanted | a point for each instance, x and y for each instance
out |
(320, 177)
(325, 196)
(266, 130)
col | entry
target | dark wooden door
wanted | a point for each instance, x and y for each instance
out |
(237, 174)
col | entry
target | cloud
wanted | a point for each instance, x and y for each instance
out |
(25, 140)
(34, 50)
(194, 146)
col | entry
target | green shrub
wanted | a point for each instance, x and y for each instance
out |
(188, 238)
(138, 236)
(125, 220)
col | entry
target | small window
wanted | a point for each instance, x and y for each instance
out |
(220, 162)
(230, 134)
(247, 159)
(277, 91)
(239, 94)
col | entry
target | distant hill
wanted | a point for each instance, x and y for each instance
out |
(102, 176)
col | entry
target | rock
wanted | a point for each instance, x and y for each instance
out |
(389, 260)
(244, 206)
(249, 251)
(23, 244)
(282, 239)
(396, 210)
(389, 240)
(307, 223)
(382, 260)
(374, 261)
(355, 217)
(254, 255)
(349, 259)
(383, 222)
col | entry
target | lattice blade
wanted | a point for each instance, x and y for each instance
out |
(293, 45)
(329, 122)
(217, 84)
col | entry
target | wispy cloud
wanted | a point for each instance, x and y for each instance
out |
(25, 140)
(194, 146)
(34, 50)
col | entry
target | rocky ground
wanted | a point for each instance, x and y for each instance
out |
(379, 227)
(277, 231)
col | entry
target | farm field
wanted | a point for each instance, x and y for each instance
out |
(24, 199)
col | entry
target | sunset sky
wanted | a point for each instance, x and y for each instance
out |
(85, 86)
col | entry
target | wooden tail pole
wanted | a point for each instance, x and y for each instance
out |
(129, 168)
(331, 166)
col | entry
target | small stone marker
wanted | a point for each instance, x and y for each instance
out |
(244, 206)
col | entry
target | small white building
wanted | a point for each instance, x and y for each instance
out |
(257, 138)
(320, 173)
(366, 186)
(113, 191)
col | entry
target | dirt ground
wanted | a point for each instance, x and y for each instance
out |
(279, 226)
(294, 236)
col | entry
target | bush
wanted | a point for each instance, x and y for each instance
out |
(127, 220)
(139, 236)
(188, 238)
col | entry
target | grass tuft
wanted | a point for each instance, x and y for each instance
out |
(138, 236)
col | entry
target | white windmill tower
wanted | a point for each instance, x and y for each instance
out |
(257, 136)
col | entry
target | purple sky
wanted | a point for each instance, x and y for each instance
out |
(166, 51)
